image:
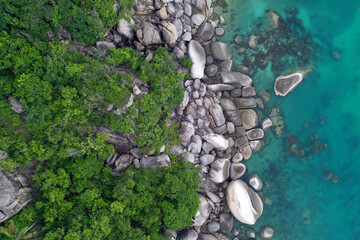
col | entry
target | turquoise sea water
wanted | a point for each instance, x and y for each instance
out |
(302, 203)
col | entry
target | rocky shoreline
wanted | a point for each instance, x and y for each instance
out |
(220, 126)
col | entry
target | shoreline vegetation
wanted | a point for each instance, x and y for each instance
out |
(126, 121)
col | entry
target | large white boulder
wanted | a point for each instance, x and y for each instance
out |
(217, 141)
(243, 202)
(198, 57)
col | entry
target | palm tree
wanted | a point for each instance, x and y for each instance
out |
(15, 234)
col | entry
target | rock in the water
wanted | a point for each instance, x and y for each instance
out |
(16, 105)
(198, 57)
(249, 118)
(256, 133)
(217, 114)
(242, 103)
(151, 34)
(220, 87)
(207, 159)
(169, 32)
(162, 160)
(250, 233)
(267, 232)
(187, 130)
(220, 170)
(213, 227)
(219, 31)
(206, 31)
(274, 18)
(237, 170)
(255, 145)
(277, 120)
(253, 42)
(187, 234)
(220, 51)
(229, 77)
(124, 29)
(255, 182)
(237, 158)
(287, 83)
(203, 212)
(217, 141)
(266, 124)
(243, 202)
(246, 151)
(226, 221)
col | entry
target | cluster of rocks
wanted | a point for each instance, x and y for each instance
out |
(278, 41)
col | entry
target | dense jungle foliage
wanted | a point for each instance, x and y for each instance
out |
(65, 96)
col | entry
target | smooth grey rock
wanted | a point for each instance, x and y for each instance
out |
(211, 70)
(123, 162)
(256, 133)
(243, 202)
(234, 117)
(217, 141)
(248, 92)
(236, 93)
(179, 29)
(104, 45)
(206, 31)
(124, 29)
(213, 227)
(207, 147)
(222, 20)
(187, 130)
(226, 65)
(229, 77)
(274, 18)
(230, 127)
(162, 160)
(136, 163)
(187, 234)
(246, 151)
(196, 149)
(177, 150)
(188, 9)
(237, 170)
(220, 170)
(242, 103)
(220, 51)
(178, 52)
(242, 140)
(217, 114)
(250, 233)
(151, 34)
(198, 57)
(170, 9)
(253, 42)
(200, 5)
(189, 156)
(16, 105)
(227, 104)
(169, 32)
(187, 36)
(202, 213)
(255, 182)
(266, 124)
(249, 118)
(213, 197)
(206, 237)
(197, 19)
(226, 221)
(267, 232)
(220, 87)
(207, 159)
(284, 84)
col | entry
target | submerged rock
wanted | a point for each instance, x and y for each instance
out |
(274, 18)
(277, 120)
(243, 202)
(267, 232)
(287, 83)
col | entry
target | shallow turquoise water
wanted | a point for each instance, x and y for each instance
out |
(302, 203)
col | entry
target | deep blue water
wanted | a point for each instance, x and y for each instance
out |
(302, 203)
